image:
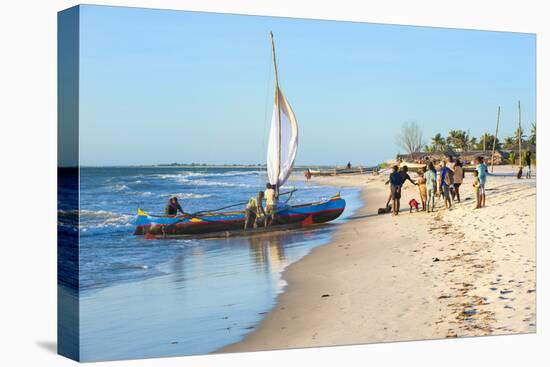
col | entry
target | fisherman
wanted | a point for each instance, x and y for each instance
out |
(270, 203)
(254, 211)
(173, 207)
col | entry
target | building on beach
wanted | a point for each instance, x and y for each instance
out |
(467, 157)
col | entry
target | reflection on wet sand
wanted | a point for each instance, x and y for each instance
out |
(267, 253)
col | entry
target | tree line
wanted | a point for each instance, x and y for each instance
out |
(410, 138)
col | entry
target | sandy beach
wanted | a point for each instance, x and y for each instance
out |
(453, 273)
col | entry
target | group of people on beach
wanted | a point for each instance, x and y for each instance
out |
(442, 182)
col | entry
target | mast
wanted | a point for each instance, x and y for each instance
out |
(519, 132)
(278, 109)
(495, 141)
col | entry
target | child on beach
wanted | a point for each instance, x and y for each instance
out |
(476, 185)
(481, 169)
(421, 182)
(413, 204)
(431, 186)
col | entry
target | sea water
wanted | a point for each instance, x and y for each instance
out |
(143, 298)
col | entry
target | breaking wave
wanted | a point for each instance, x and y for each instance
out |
(218, 183)
(187, 195)
(224, 174)
(94, 219)
(193, 179)
(120, 187)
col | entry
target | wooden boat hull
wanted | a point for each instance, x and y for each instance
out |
(320, 212)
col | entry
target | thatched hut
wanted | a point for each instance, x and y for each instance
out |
(500, 157)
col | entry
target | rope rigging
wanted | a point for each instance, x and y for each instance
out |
(201, 214)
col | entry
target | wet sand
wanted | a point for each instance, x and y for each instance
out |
(453, 273)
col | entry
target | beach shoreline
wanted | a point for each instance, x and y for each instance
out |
(416, 276)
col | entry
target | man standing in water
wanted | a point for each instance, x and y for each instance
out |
(481, 169)
(254, 211)
(271, 203)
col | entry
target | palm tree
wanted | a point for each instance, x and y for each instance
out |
(519, 133)
(533, 135)
(509, 142)
(486, 142)
(458, 139)
(438, 143)
(473, 143)
(512, 157)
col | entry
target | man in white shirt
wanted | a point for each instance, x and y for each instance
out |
(271, 203)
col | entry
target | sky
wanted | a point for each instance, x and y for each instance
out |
(158, 86)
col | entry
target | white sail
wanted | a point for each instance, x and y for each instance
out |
(282, 148)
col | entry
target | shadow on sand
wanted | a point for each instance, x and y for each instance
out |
(48, 345)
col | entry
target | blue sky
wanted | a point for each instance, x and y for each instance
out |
(161, 86)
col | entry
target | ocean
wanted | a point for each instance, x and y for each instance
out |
(142, 298)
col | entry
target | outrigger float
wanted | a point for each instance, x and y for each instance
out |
(281, 153)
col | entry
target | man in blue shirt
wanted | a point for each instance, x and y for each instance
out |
(481, 169)
(404, 176)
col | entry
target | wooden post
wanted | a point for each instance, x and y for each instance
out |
(495, 141)
(519, 132)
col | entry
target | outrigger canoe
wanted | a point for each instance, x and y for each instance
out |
(312, 213)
